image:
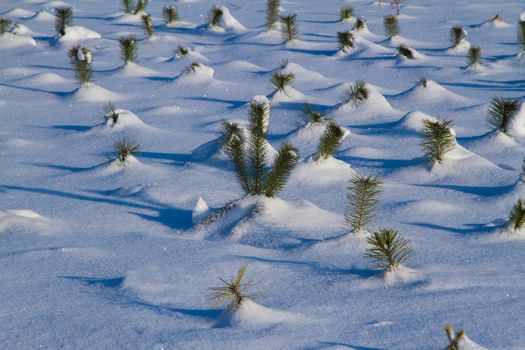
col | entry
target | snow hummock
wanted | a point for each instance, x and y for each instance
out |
(91, 92)
(517, 124)
(76, 33)
(320, 172)
(228, 23)
(11, 41)
(251, 314)
(200, 211)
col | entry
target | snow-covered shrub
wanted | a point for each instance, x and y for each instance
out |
(289, 27)
(391, 25)
(81, 58)
(362, 203)
(147, 24)
(128, 48)
(281, 80)
(63, 19)
(330, 141)
(357, 93)
(438, 139)
(501, 111)
(388, 250)
(345, 41)
(272, 13)
(171, 14)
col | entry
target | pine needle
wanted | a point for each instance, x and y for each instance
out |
(387, 250)
(362, 202)
(501, 111)
(357, 93)
(391, 25)
(282, 80)
(437, 139)
(125, 149)
(289, 27)
(63, 19)
(234, 292)
(330, 140)
(171, 14)
(517, 215)
(128, 48)
(272, 13)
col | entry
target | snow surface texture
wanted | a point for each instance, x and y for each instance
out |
(101, 255)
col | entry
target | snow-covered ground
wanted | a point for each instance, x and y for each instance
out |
(99, 256)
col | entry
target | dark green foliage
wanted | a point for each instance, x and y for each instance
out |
(181, 51)
(171, 14)
(474, 56)
(228, 131)
(289, 27)
(501, 111)
(215, 16)
(309, 116)
(281, 80)
(423, 82)
(517, 215)
(346, 12)
(110, 113)
(437, 139)
(80, 58)
(147, 23)
(4, 25)
(357, 93)
(125, 148)
(405, 52)
(330, 140)
(362, 193)
(140, 7)
(128, 48)
(63, 19)
(249, 162)
(453, 339)
(360, 24)
(521, 35)
(272, 13)
(388, 250)
(391, 25)
(457, 34)
(126, 6)
(234, 292)
(345, 41)
(191, 69)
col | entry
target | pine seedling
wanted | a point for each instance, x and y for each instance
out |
(110, 113)
(423, 82)
(80, 58)
(521, 35)
(147, 23)
(140, 7)
(215, 16)
(125, 149)
(311, 117)
(406, 52)
(63, 19)
(191, 69)
(181, 51)
(284, 63)
(171, 14)
(259, 116)
(283, 164)
(457, 34)
(126, 6)
(330, 141)
(289, 27)
(391, 26)
(474, 56)
(272, 13)
(388, 250)
(346, 13)
(345, 41)
(357, 93)
(234, 292)
(282, 80)
(360, 24)
(438, 139)
(517, 215)
(362, 193)
(128, 48)
(4, 25)
(501, 111)
(453, 339)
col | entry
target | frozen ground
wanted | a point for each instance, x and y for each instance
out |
(94, 256)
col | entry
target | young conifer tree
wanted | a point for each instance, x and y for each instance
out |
(128, 48)
(437, 139)
(171, 14)
(360, 24)
(81, 58)
(457, 35)
(517, 216)
(346, 13)
(125, 148)
(521, 36)
(357, 93)
(391, 25)
(289, 27)
(215, 16)
(126, 6)
(362, 193)
(140, 7)
(474, 57)
(272, 13)
(345, 40)
(147, 23)
(282, 80)
(388, 250)
(501, 112)
(330, 141)
(4, 25)
(234, 292)
(63, 19)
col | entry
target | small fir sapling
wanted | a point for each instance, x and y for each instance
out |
(125, 148)
(423, 82)
(501, 111)
(474, 57)
(388, 250)
(191, 69)
(63, 19)
(181, 51)
(457, 35)
(346, 13)
(345, 41)
(147, 24)
(140, 7)
(128, 48)
(215, 16)
(4, 25)
(272, 13)
(437, 139)
(234, 292)
(521, 36)
(282, 80)
(81, 58)
(171, 14)
(289, 27)
(110, 113)
(517, 216)
(360, 24)
(406, 52)
(391, 26)
(310, 116)
(453, 339)
(330, 141)
(357, 93)
(126, 6)
(362, 202)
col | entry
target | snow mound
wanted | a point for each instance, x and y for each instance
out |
(126, 119)
(11, 41)
(461, 48)
(250, 314)
(306, 138)
(321, 172)
(228, 23)
(75, 33)
(23, 219)
(414, 121)
(93, 93)
(19, 13)
(133, 70)
(288, 95)
(126, 18)
(196, 75)
(517, 124)
(302, 74)
(47, 79)
(43, 16)
(496, 22)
